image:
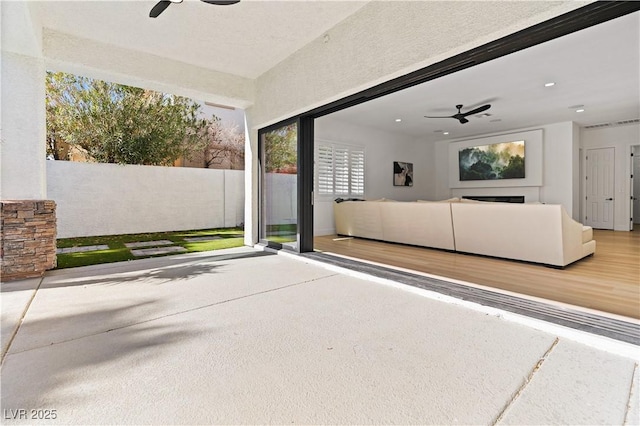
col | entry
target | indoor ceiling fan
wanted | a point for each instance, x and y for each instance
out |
(162, 5)
(462, 116)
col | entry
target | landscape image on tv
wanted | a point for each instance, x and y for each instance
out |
(496, 161)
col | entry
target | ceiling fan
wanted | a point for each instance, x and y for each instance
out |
(462, 116)
(162, 5)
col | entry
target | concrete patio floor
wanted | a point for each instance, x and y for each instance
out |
(241, 336)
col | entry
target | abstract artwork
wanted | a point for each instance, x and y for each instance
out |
(402, 173)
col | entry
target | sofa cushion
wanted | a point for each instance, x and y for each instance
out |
(587, 234)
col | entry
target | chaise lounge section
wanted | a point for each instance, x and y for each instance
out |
(539, 233)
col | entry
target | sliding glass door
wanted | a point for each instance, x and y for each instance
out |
(279, 186)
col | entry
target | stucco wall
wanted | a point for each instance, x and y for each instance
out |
(22, 128)
(108, 199)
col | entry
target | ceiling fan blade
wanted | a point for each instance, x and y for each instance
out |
(477, 110)
(221, 2)
(428, 116)
(159, 8)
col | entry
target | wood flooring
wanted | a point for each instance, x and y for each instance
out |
(609, 281)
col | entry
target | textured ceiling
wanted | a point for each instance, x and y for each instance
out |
(245, 39)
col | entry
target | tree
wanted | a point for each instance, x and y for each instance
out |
(280, 150)
(121, 124)
(222, 143)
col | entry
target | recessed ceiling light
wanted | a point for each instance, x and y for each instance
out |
(445, 133)
(398, 120)
(580, 110)
(549, 84)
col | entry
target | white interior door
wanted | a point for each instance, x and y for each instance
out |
(600, 189)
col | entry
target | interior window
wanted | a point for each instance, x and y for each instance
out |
(339, 170)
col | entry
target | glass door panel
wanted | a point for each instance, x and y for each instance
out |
(280, 186)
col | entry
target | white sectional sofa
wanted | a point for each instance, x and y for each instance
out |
(540, 233)
(408, 223)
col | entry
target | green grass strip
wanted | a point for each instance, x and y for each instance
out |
(118, 252)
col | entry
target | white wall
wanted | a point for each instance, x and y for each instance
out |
(22, 127)
(107, 199)
(621, 138)
(381, 150)
(559, 167)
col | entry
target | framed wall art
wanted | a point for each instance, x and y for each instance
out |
(402, 173)
(490, 162)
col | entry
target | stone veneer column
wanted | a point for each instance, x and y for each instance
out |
(28, 238)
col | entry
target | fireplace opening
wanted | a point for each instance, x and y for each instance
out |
(497, 198)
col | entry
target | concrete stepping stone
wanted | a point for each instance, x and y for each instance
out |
(198, 239)
(82, 249)
(158, 250)
(149, 244)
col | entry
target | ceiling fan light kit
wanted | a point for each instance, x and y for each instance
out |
(162, 5)
(462, 116)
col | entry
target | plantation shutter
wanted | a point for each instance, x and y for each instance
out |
(357, 172)
(324, 170)
(341, 170)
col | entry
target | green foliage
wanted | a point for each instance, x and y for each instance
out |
(281, 150)
(114, 123)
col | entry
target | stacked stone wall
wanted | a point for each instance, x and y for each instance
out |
(28, 231)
